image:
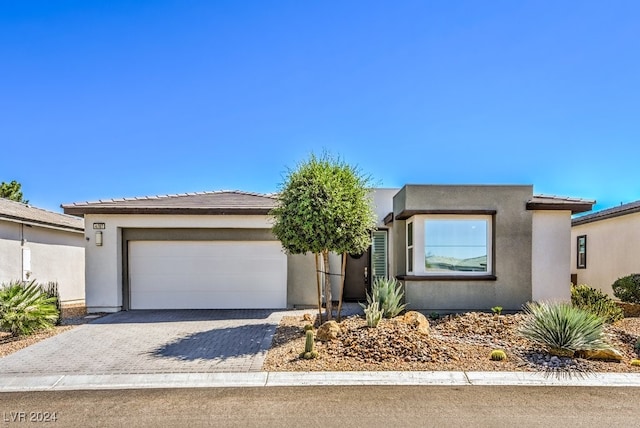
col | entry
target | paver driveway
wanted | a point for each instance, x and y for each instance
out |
(153, 342)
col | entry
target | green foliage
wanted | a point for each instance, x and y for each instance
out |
(308, 327)
(12, 191)
(596, 302)
(636, 347)
(51, 290)
(497, 310)
(498, 355)
(25, 308)
(324, 205)
(388, 293)
(434, 315)
(373, 313)
(563, 328)
(309, 343)
(627, 288)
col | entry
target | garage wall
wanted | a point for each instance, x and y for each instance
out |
(105, 272)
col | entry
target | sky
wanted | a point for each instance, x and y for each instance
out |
(125, 98)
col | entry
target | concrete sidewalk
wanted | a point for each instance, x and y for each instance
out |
(271, 379)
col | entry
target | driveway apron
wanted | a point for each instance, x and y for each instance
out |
(167, 341)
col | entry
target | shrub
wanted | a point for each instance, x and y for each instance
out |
(25, 308)
(388, 293)
(563, 328)
(596, 302)
(497, 310)
(373, 314)
(498, 355)
(51, 290)
(635, 363)
(627, 288)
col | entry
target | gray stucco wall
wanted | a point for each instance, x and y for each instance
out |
(56, 255)
(512, 245)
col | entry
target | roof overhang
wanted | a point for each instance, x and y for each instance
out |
(82, 210)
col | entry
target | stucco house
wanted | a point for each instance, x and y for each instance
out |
(604, 246)
(454, 248)
(42, 245)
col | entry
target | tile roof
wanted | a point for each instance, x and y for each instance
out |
(630, 208)
(552, 202)
(24, 213)
(216, 202)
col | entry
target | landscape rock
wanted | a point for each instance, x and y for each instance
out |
(417, 320)
(608, 354)
(328, 331)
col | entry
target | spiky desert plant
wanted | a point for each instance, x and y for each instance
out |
(25, 308)
(388, 293)
(308, 327)
(309, 343)
(373, 314)
(597, 302)
(498, 355)
(51, 290)
(562, 328)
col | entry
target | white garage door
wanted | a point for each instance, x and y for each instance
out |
(207, 275)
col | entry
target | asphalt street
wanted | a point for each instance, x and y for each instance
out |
(327, 406)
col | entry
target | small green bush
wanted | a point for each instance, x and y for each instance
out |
(563, 328)
(51, 290)
(388, 293)
(498, 355)
(596, 302)
(635, 363)
(373, 314)
(497, 310)
(25, 308)
(627, 288)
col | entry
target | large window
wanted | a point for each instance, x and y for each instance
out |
(582, 252)
(450, 245)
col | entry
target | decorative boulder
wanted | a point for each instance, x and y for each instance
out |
(417, 320)
(609, 354)
(328, 331)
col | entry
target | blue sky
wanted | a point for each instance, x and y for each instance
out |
(103, 99)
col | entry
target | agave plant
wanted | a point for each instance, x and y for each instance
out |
(388, 293)
(563, 328)
(25, 308)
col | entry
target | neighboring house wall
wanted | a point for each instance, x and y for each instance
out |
(105, 268)
(55, 255)
(551, 255)
(512, 247)
(612, 250)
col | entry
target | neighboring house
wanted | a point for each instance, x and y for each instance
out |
(42, 245)
(454, 247)
(604, 246)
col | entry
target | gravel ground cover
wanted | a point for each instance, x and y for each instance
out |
(455, 343)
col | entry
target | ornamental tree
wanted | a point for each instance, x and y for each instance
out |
(324, 206)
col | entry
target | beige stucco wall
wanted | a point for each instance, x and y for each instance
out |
(104, 270)
(56, 255)
(551, 254)
(612, 250)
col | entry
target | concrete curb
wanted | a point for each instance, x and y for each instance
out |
(275, 379)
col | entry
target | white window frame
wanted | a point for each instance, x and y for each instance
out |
(419, 244)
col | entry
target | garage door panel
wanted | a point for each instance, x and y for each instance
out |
(206, 274)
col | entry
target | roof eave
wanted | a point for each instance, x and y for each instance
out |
(78, 210)
(603, 216)
(574, 207)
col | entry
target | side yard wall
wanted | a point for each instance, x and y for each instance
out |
(551, 255)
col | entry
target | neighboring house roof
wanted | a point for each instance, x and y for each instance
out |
(27, 214)
(218, 202)
(560, 203)
(630, 208)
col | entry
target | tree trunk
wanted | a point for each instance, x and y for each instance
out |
(327, 285)
(319, 291)
(342, 274)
